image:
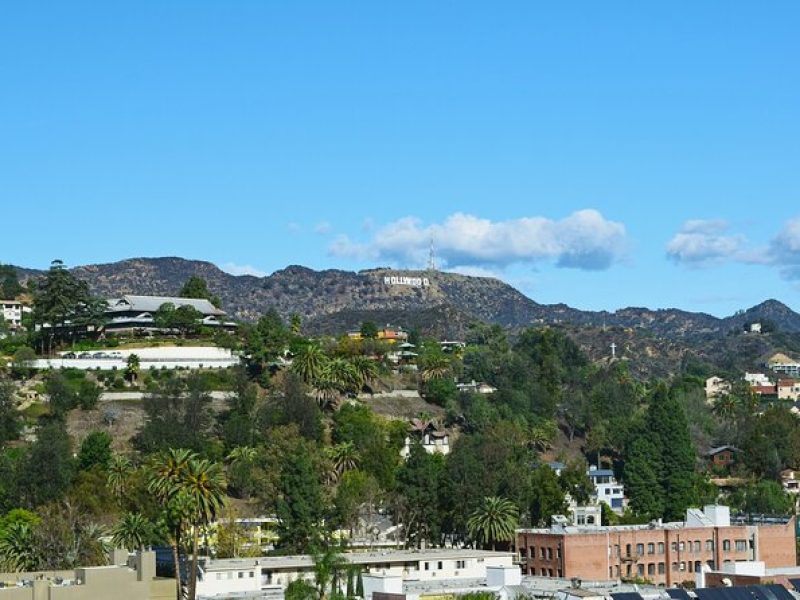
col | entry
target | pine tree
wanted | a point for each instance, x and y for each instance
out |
(641, 478)
(300, 505)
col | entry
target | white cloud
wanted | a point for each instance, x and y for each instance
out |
(583, 240)
(702, 242)
(784, 250)
(235, 269)
(322, 228)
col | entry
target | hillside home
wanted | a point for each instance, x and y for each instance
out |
(783, 365)
(131, 313)
(474, 387)
(607, 489)
(756, 379)
(790, 480)
(722, 456)
(433, 439)
(716, 386)
(12, 312)
(788, 389)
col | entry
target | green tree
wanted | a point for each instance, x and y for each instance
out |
(309, 363)
(118, 472)
(576, 482)
(547, 497)
(197, 287)
(300, 504)
(95, 451)
(495, 521)
(16, 548)
(641, 476)
(133, 532)
(132, 366)
(344, 457)
(418, 503)
(329, 564)
(300, 589)
(10, 423)
(10, 287)
(49, 467)
(369, 330)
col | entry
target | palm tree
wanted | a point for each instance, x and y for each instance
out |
(165, 473)
(242, 455)
(132, 368)
(326, 392)
(309, 363)
(133, 532)
(343, 375)
(344, 457)
(328, 566)
(366, 369)
(119, 468)
(204, 484)
(494, 521)
(16, 547)
(725, 407)
(434, 365)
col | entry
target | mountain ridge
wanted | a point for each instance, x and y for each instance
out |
(318, 296)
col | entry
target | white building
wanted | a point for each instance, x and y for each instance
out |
(220, 578)
(433, 439)
(167, 357)
(12, 312)
(716, 386)
(607, 489)
(757, 379)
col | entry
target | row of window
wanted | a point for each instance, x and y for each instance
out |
(544, 553)
(546, 572)
(695, 546)
(659, 568)
(230, 574)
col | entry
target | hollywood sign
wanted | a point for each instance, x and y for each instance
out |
(411, 281)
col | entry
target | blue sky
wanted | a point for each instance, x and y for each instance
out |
(599, 154)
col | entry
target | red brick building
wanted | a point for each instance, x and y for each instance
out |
(667, 554)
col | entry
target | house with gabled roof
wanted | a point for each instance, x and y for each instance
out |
(137, 313)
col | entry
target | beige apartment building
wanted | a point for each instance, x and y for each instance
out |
(662, 553)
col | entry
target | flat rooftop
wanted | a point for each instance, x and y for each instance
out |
(355, 558)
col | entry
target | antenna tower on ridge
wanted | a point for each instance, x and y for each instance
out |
(432, 257)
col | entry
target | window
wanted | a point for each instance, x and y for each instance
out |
(241, 574)
(697, 565)
(661, 568)
(616, 549)
(640, 549)
(726, 545)
(549, 554)
(251, 574)
(674, 566)
(651, 548)
(674, 546)
(542, 553)
(460, 564)
(628, 549)
(661, 547)
(709, 545)
(558, 552)
(681, 547)
(683, 566)
(651, 569)
(640, 570)
(698, 546)
(427, 566)
(439, 565)
(741, 545)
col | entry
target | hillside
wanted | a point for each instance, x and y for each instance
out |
(332, 301)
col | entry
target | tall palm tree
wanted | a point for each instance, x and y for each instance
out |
(242, 455)
(119, 468)
(165, 473)
(309, 363)
(494, 521)
(204, 485)
(133, 532)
